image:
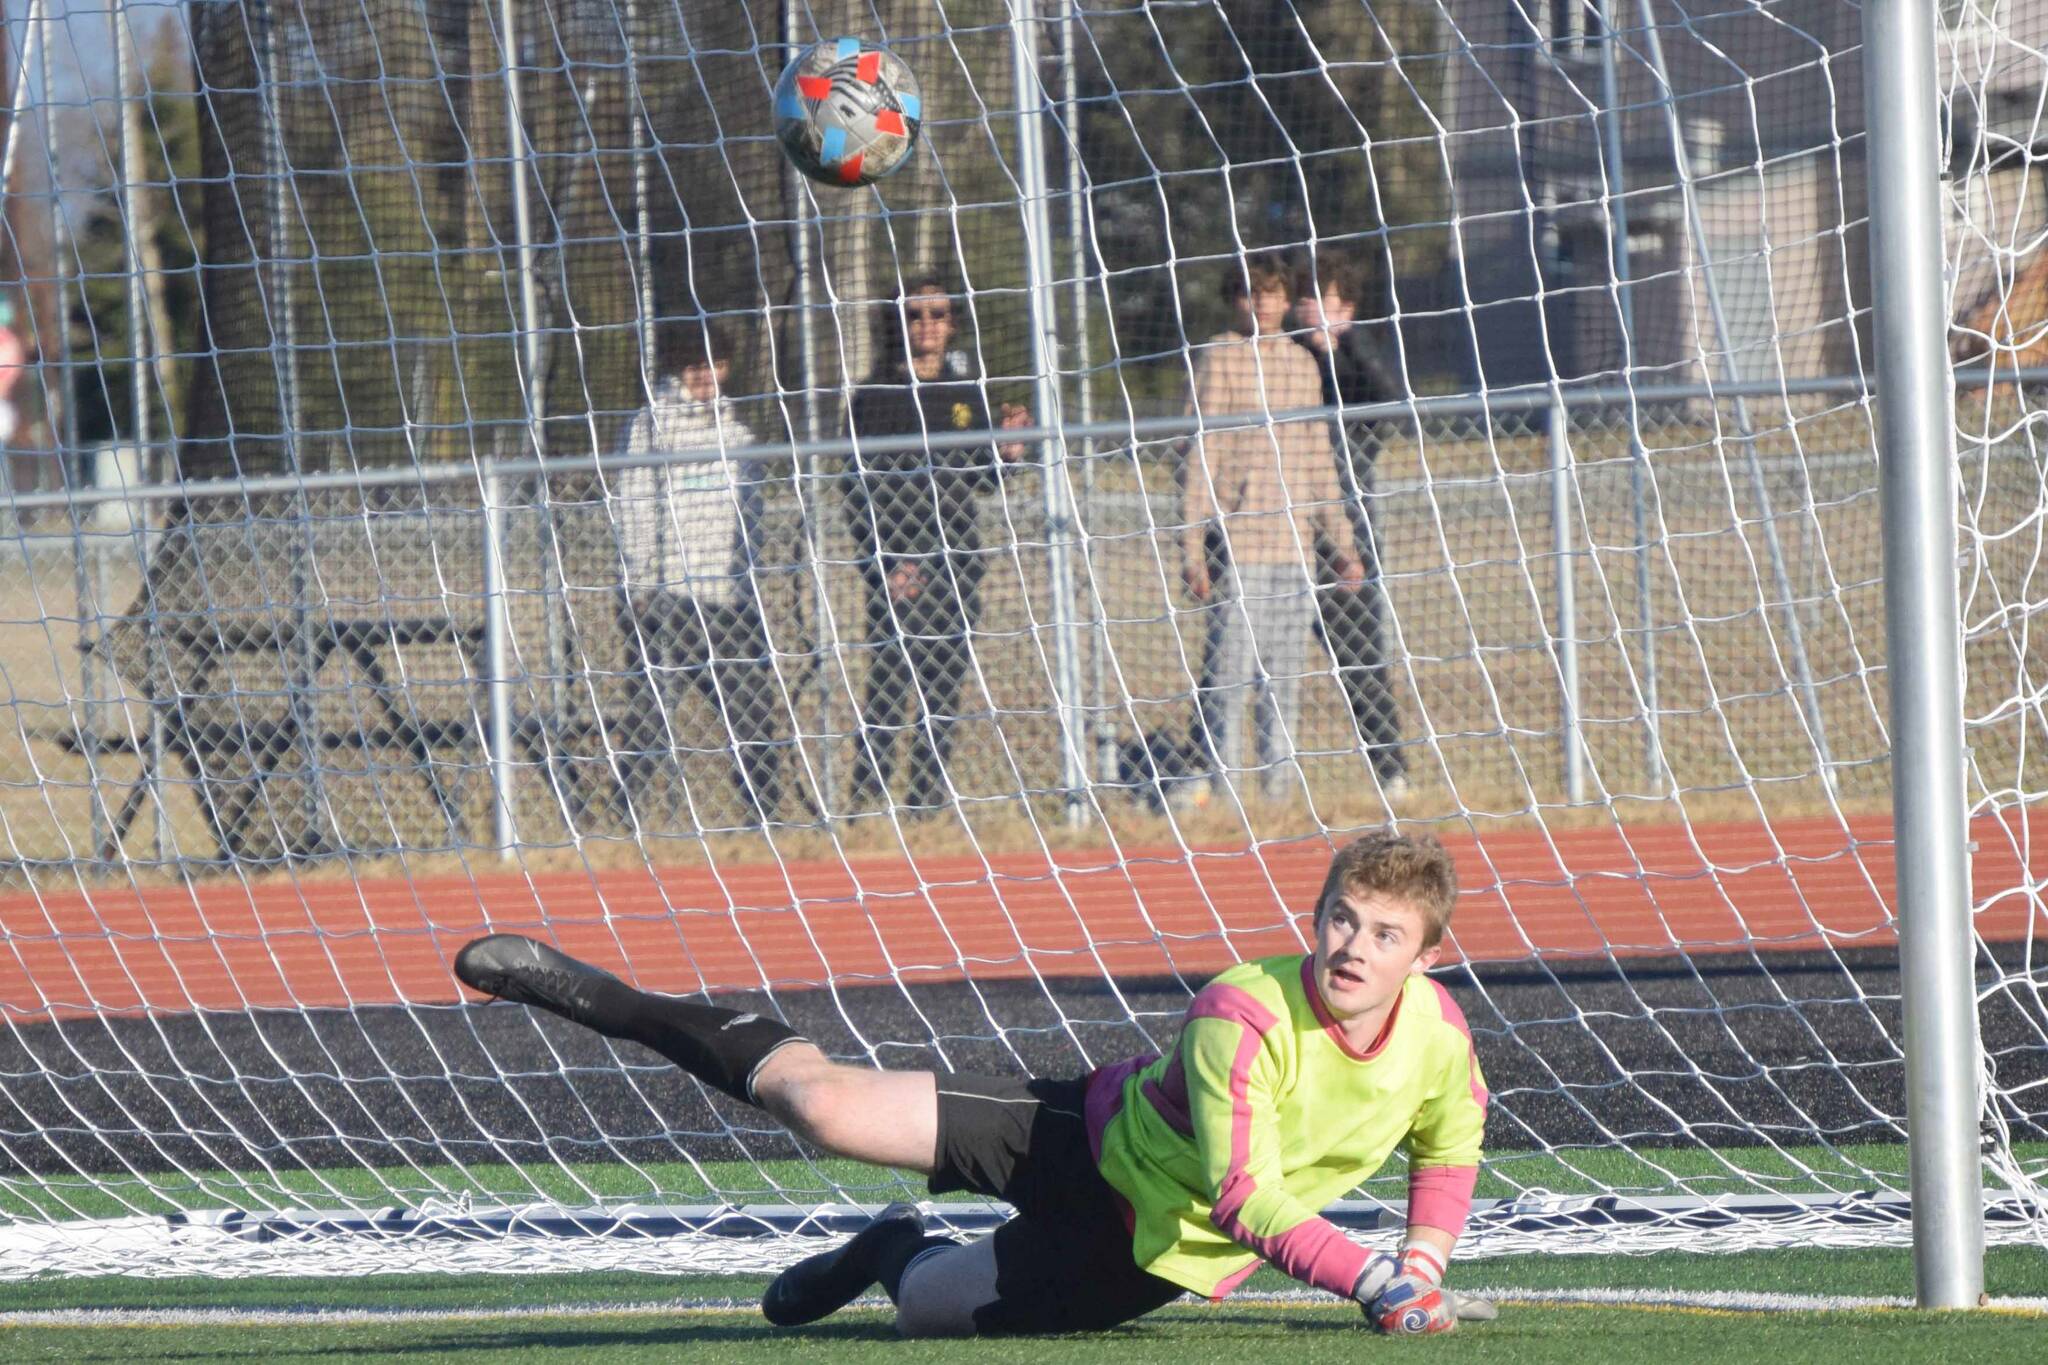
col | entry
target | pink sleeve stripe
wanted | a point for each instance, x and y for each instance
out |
(1230, 1003)
(1441, 1196)
(1235, 1004)
(1455, 1017)
(1313, 1251)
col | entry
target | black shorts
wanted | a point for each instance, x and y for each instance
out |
(1064, 1263)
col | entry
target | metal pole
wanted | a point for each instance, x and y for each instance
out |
(284, 327)
(139, 349)
(1032, 113)
(1078, 233)
(533, 382)
(1917, 473)
(520, 157)
(808, 470)
(1802, 671)
(19, 103)
(643, 262)
(643, 246)
(85, 568)
(1638, 458)
(1567, 601)
(497, 680)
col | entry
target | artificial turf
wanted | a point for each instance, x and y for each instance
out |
(1175, 1336)
(691, 1321)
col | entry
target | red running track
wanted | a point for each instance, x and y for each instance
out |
(330, 942)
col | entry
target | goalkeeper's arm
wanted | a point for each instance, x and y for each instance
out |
(1443, 1168)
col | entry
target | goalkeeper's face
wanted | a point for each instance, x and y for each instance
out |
(1366, 947)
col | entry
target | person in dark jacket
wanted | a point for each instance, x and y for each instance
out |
(913, 515)
(1354, 611)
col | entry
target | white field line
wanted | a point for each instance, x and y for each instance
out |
(1703, 1300)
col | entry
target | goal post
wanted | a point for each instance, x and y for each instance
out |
(386, 574)
(1916, 456)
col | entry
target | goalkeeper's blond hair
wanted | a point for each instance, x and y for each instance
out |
(1413, 868)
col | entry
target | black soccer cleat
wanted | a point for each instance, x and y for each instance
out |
(821, 1285)
(529, 973)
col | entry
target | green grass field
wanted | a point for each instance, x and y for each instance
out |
(645, 1318)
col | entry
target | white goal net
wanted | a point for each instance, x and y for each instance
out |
(1004, 648)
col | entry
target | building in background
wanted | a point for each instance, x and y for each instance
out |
(1769, 120)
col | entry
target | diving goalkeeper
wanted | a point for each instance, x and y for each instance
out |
(1292, 1081)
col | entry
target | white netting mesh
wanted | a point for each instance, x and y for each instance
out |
(453, 608)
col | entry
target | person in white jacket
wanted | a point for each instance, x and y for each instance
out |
(689, 605)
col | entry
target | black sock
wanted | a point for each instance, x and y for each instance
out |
(720, 1047)
(890, 1266)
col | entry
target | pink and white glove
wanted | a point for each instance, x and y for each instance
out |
(1414, 1301)
(1403, 1295)
(1380, 1271)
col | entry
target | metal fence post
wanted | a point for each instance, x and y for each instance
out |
(533, 382)
(32, 28)
(1567, 601)
(1032, 114)
(808, 471)
(88, 562)
(1079, 232)
(497, 670)
(1923, 639)
(140, 350)
(1638, 470)
(305, 706)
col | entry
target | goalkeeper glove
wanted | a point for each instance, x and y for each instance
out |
(1471, 1308)
(1414, 1302)
(1381, 1271)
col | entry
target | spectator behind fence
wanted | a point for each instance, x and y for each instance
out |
(689, 605)
(1268, 491)
(913, 515)
(1354, 610)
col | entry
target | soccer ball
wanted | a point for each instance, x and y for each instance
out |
(847, 112)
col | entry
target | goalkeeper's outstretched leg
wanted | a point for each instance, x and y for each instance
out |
(888, 1118)
(1064, 1266)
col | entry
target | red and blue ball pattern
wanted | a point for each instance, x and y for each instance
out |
(847, 112)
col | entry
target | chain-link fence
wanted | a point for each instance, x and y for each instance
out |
(292, 675)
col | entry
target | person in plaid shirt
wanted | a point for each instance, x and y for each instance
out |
(689, 607)
(1256, 500)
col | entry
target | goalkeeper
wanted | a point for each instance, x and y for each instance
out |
(1293, 1079)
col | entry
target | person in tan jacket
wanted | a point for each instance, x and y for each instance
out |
(1258, 497)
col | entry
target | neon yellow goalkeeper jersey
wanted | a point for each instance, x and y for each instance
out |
(1228, 1148)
